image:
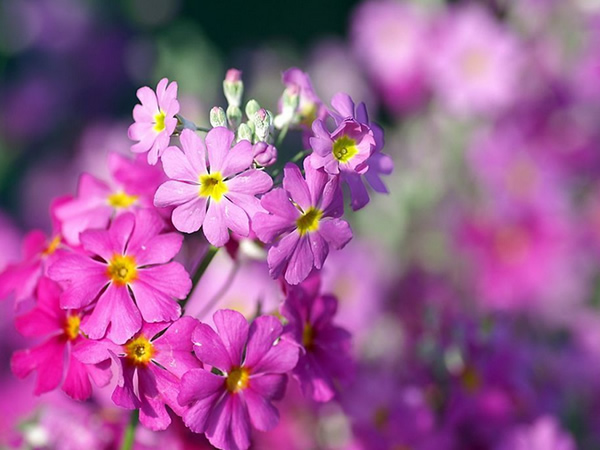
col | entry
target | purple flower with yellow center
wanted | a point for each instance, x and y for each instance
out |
(53, 359)
(217, 196)
(155, 119)
(303, 222)
(150, 367)
(125, 274)
(344, 150)
(326, 348)
(244, 370)
(378, 163)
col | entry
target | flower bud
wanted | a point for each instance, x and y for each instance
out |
(244, 132)
(217, 117)
(234, 116)
(233, 87)
(264, 154)
(290, 99)
(251, 108)
(263, 120)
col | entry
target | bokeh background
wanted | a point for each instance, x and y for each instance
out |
(472, 289)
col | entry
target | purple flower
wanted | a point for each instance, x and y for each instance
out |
(378, 163)
(149, 368)
(154, 119)
(326, 347)
(126, 274)
(244, 370)
(544, 434)
(302, 222)
(218, 197)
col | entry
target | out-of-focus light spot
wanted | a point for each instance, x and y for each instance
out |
(139, 59)
(20, 24)
(154, 12)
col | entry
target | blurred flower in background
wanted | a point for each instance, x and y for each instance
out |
(472, 290)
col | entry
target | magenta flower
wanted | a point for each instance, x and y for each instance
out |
(302, 222)
(125, 274)
(97, 202)
(326, 356)
(344, 150)
(53, 359)
(545, 433)
(155, 119)
(244, 371)
(149, 368)
(378, 163)
(218, 197)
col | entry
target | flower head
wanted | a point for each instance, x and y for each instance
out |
(150, 367)
(218, 194)
(125, 274)
(244, 369)
(48, 359)
(326, 347)
(154, 119)
(302, 222)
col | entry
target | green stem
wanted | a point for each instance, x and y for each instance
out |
(206, 130)
(129, 436)
(281, 136)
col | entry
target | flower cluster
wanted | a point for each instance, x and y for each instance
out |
(109, 296)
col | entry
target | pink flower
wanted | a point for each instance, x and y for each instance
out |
(325, 356)
(244, 370)
(97, 202)
(149, 368)
(219, 197)
(544, 434)
(125, 274)
(476, 67)
(154, 119)
(54, 359)
(302, 222)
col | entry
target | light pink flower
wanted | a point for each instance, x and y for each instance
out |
(125, 274)
(154, 119)
(217, 196)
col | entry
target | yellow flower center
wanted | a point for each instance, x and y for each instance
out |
(309, 221)
(212, 186)
(238, 379)
(121, 200)
(308, 336)
(122, 269)
(470, 379)
(139, 351)
(71, 327)
(381, 417)
(474, 63)
(52, 246)
(344, 149)
(512, 244)
(159, 121)
(308, 114)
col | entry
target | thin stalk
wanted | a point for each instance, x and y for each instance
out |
(129, 436)
(208, 257)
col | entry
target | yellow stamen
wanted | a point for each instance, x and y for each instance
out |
(159, 121)
(238, 379)
(52, 246)
(71, 327)
(308, 114)
(308, 336)
(309, 221)
(344, 149)
(121, 200)
(212, 186)
(122, 269)
(470, 379)
(139, 351)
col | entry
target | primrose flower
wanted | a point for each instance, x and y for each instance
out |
(155, 119)
(126, 273)
(21, 278)
(378, 163)
(244, 370)
(97, 201)
(325, 355)
(303, 222)
(219, 197)
(149, 368)
(48, 359)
